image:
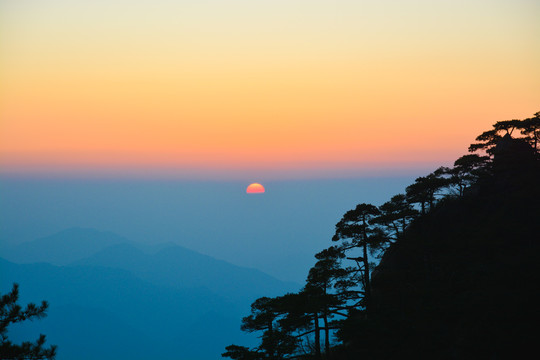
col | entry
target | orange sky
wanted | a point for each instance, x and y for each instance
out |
(191, 87)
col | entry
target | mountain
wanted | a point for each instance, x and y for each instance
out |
(165, 264)
(177, 267)
(88, 302)
(79, 329)
(124, 300)
(63, 247)
(462, 282)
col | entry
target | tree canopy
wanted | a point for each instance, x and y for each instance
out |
(10, 313)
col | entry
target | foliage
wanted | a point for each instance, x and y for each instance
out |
(241, 353)
(467, 170)
(395, 216)
(10, 313)
(529, 127)
(425, 189)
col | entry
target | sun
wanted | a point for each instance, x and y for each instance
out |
(255, 188)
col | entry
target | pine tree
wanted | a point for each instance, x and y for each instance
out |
(10, 313)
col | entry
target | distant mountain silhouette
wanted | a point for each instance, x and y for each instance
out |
(85, 327)
(159, 315)
(177, 267)
(152, 300)
(64, 247)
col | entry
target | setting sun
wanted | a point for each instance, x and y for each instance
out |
(255, 188)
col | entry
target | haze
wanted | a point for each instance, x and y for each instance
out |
(277, 232)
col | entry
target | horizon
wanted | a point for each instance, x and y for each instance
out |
(348, 172)
(287, 224)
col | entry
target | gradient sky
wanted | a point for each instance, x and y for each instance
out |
(199, 88)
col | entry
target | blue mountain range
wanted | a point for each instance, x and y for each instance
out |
(114, 299)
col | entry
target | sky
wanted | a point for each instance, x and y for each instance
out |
(257, 90)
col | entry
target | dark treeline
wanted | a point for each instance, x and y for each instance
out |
(458, 272)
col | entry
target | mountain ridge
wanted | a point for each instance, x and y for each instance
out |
(159, 296)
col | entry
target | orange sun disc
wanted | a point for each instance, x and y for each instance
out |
(255, 188)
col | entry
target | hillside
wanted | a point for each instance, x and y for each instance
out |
(463, 281)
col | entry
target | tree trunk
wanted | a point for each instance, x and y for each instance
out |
(317, 336)
(326, 335)
(367, 290)
(272, 349)
(396, 229)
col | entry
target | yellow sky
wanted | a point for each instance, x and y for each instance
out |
(276, 84)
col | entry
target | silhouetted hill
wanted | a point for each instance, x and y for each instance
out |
(63, 247)
(463, 281)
